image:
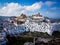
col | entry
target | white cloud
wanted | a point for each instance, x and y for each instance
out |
(54, 8)
(49, 3)
(10, 9)
(34, 7)
(15, 9)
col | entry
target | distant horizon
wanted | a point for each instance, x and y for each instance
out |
(31, 15)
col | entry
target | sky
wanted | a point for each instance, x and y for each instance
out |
(48, 8)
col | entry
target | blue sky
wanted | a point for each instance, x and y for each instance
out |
(49, 8)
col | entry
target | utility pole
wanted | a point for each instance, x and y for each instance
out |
(34, 40)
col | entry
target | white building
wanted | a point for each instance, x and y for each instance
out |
(38, 17)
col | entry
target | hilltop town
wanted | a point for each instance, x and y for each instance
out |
(35, 27)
